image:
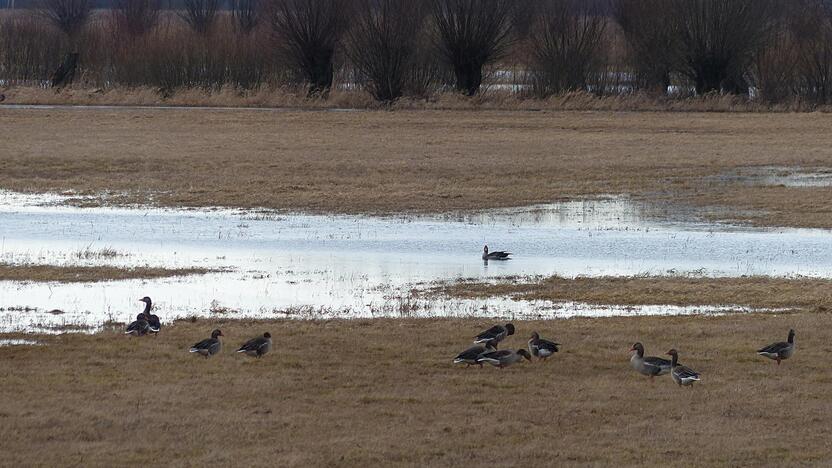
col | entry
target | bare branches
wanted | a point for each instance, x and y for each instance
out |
(309, 31)
(382, 43)
(471, 34)
(566, 41)
(135, 17)
(70, 16)
(201, 15)
(246, 14)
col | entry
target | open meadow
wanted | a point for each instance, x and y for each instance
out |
(384, 391)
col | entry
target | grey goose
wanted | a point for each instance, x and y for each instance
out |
(540, 348)
(651, 366)
(209, 346)
(780, 350)
(257, 347)
(681, 375)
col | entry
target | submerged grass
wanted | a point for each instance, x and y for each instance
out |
(754, 292)
(349, 393)
(86, 274)
(416, 161)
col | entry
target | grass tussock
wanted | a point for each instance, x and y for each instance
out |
(348, 393)
(755, 292)
(87, 274)
(417, 161)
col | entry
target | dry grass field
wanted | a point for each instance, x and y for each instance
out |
(807, 294)
(384, 393)
(417, 161)
(84, 274)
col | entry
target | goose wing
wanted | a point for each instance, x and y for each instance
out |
(470, 354)
(684, 372)
(495, 355)
(205, 344)
(492, 333)
(253, 344)
(550, 346)
(657, 365)
(139, 326)
(774, 348)
(154, 323)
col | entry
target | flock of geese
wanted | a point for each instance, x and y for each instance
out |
(485, 351)
(651, 366)
(147, 323)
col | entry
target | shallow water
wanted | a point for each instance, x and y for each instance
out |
(302, 265)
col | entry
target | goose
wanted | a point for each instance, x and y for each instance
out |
(681, 375)
(154, 325)
(505, 357)
(209, 346)
(779, 351)
(541, 348)
(651, 366)
(138, 327)
(486, 255)
(497, 333)
(257, 347)
(470, 355)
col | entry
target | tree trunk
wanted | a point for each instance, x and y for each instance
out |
(468, 78)
(66, 71)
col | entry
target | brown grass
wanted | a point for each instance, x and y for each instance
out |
(384, 392)
(416, 161)
(756, 292)
(296, 97)
(86, 274)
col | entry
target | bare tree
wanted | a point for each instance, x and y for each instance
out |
(651, 42)
(135, 17)
(718, 38)
(201, 15)
(811, 28)
(70, 16)
(308, 32)
(246, 14)
(566, 46)
(382, 42)
(470, 35)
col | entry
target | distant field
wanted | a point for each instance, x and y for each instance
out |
(419, 161)
(384, 393)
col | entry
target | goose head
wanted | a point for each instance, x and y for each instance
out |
(639, 348)
(673, 353)
(267, 335)
(791, 336)
(216, 333)
(510, 328)
(145, 299)
(525, 354)
(485, 250)
(535, 336)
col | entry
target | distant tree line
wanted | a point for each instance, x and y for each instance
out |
(771, 50)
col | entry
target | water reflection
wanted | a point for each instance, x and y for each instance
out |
(299, 265)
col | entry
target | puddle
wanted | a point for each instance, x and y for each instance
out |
(18, 342)
(794, 177)
(310, 266)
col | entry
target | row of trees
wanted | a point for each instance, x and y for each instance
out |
(780, 49)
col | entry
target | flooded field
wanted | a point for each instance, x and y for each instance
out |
(312, 266)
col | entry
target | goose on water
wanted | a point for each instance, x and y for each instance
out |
(153, 322)
(505, 357)
(779, 351)
(486, 255)
(257, 347)
(472, 354)
(209, 346)
(497, 333)
(541, 348)
(651, 366)
(681, 375)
